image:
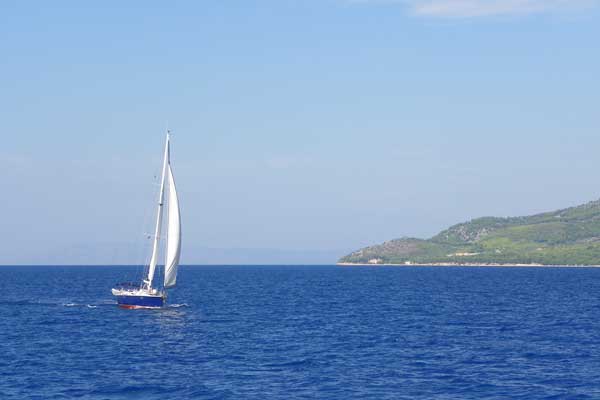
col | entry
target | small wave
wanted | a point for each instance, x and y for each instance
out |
(91, 306)
(178, 305)
(218, 321)
(71, 304)
(129, 390)
(293, 363)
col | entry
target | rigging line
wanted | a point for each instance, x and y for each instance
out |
(145, 244)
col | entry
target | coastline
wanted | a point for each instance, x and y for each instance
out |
(470, 265)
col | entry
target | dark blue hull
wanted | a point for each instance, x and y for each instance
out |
(140, 301)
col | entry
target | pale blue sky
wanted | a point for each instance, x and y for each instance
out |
(310, 127)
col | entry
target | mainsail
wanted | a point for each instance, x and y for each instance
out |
(173, 234)
(173, 247)
(156, 238)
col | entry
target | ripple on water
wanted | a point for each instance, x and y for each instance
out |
(304, 332)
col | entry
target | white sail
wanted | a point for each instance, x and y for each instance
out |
(161, 196)
(173, 233)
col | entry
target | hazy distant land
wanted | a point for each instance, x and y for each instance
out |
(568, 237)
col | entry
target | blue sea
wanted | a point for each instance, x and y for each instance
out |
(303, 332)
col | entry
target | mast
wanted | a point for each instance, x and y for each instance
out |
(161, 196)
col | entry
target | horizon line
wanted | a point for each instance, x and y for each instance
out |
(182, 265)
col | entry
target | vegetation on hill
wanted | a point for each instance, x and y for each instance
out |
(564, 237)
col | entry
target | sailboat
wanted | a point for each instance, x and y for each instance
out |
(147, 294)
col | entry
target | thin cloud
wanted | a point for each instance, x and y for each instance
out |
(479, 8)
(483, 8)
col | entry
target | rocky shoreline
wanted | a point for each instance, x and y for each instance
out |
(478, 265)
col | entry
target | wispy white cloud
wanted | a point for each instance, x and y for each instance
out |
(482, 8)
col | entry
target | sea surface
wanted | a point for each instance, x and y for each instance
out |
(305, 332)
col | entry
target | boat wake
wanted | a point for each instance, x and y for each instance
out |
(28, 303)
(87, 305)
(104, 303)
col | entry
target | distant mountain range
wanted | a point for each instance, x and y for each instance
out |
(565, 237)
(122, 253)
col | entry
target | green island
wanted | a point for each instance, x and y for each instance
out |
(569, 237)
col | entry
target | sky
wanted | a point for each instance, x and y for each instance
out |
(302, 130)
